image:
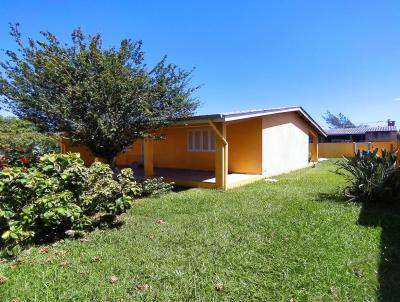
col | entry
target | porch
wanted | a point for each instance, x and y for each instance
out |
(212, 169)
(198, 178)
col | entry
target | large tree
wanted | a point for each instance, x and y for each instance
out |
(337, 121)
(104, 98)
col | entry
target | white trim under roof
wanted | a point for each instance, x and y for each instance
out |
(238, 115)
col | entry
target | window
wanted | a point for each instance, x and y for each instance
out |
(201, 140)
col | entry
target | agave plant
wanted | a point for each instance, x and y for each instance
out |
(371, 177)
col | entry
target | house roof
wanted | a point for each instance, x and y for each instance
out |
(238, 115)
(359, 130)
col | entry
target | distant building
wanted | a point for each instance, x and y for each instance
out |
(362, 134)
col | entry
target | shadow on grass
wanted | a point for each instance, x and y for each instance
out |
(331, 197)
(178, 189)
(53, 235)
(388, 218)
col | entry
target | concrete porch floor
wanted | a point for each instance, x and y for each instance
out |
(198, 178)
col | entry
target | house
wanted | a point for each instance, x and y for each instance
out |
(225, 150)
(348, 141)
(362, 134)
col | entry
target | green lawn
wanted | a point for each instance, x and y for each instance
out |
(264, 242)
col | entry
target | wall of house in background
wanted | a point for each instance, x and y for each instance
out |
(380, 136)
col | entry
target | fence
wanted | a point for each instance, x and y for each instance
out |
(334, 150)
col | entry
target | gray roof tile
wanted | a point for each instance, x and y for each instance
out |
(360, 130)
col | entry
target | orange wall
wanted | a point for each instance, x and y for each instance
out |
(124, 158)
(332, 150)
(172, 151)
(131, 155)
(245, 146)
(244, 154)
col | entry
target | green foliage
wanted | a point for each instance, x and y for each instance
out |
(60, 193)
(103, 98)
(104, 194)
(18, 134)
(337, 121)
(371, 177)
(16, 157)
(155, 186)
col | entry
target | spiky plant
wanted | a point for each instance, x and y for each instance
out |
(371, 177)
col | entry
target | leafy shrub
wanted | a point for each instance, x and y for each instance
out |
(60, 193)
(155, 186)
(16, 157)
(104, 194)
(370, 177)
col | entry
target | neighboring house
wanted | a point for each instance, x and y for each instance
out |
(362, 134)
(227, 149)
(348, 141)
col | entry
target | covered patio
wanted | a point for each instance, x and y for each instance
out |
(219, 178)
(198, 178)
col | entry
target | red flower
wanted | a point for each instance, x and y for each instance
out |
(24, 160)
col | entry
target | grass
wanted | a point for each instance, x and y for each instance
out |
(264, 242)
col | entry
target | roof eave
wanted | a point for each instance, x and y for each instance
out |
(201, 119)
(238, 116)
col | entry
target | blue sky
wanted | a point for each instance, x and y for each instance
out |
(342, 56)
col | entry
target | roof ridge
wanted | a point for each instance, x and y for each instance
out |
(259, 109)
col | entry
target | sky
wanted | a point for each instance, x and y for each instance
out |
(341, 56)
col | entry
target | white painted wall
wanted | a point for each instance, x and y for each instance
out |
(284, 143)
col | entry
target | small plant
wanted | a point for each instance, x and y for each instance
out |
(155, 186)
(371, 177)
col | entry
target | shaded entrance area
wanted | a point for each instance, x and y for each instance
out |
(197, 178)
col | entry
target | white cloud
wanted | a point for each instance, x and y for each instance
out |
(396, 99)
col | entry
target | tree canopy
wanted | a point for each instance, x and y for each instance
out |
(104, 98)
(18, 133)
(337, 121)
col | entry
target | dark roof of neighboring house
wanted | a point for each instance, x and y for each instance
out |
(360, 130)
(237, 115)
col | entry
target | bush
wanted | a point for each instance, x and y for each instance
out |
(60, 193)
(16, 157)
(155, 186)
(104, 194)
(370, 177)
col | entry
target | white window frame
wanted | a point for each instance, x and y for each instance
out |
(191, 135)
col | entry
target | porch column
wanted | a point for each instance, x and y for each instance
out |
(61, 145)
(148, 150)
(314, 147)
(221, 155)
(398, 152)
